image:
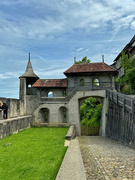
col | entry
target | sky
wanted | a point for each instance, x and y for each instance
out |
(56, 31)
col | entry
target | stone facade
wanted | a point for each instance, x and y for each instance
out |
(128, 49)
(63, 108)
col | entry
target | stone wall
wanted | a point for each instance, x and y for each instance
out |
(13, 106)
(14, 125)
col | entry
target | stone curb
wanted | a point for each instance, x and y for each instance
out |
(72, 167)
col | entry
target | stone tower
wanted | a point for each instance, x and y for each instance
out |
(26, 81)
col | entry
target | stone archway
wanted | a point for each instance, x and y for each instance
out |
(74, 108)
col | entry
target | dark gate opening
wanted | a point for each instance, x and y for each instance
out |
(44, 115)
(63, 117)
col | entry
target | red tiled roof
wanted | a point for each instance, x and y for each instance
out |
(50, 83)
(89, 68)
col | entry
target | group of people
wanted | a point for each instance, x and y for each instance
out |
(3, 111)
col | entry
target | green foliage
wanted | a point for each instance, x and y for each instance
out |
(128, 62)
(126, 89)
(125, 61)
(90, 112)
(84, 60)
(35, 153)
(130, 74)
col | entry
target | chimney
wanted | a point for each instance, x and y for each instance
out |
(103, 58)
(74, 60)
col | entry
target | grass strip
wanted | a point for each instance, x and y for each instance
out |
(33, 154)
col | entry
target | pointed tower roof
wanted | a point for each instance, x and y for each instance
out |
(29, 71)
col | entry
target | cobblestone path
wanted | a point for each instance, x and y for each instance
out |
(106, 159)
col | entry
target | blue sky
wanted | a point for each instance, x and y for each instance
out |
(56, 31)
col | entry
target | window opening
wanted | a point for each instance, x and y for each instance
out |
(63, 93)
(29, 85)
(96, 82)
(64, 118)
(82, 82)
(50, 94)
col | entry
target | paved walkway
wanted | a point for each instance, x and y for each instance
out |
(106, 159)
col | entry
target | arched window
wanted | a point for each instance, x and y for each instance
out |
(50, 94)
(82, 82)
(96, 82)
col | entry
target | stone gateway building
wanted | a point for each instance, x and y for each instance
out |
(56, 102)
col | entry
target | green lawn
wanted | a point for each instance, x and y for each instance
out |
(33, 154)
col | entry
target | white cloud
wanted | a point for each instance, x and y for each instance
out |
(9, 75)
(133, 25)
(70, 16)
(79, 49)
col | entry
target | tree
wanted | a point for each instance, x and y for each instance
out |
(84, 60)
(90, 112)
(128, 63)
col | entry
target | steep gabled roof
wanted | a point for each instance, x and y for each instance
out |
(29, 71)
(50, 83)
(128, 47)
(89, 68)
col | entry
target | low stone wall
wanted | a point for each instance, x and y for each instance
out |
(71, 133)
(14, 125)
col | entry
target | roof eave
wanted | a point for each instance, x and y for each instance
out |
(86, 73)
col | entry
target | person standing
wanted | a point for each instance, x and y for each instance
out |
(5, 109)
(1, 112)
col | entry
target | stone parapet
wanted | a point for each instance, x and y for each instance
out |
(14, 125)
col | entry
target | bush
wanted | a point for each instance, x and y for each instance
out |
(125, 89)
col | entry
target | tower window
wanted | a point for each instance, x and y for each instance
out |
(50, 94)
(29, 86)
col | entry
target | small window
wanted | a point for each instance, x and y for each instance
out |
(29, 85)
(63, 93)
(96, 82)
(82, 82)
(50, 94)
(64, 118)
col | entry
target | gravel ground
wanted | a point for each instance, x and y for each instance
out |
(93, 172)
(104, 158)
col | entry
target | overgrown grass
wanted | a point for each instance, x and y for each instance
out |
(33, 154)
